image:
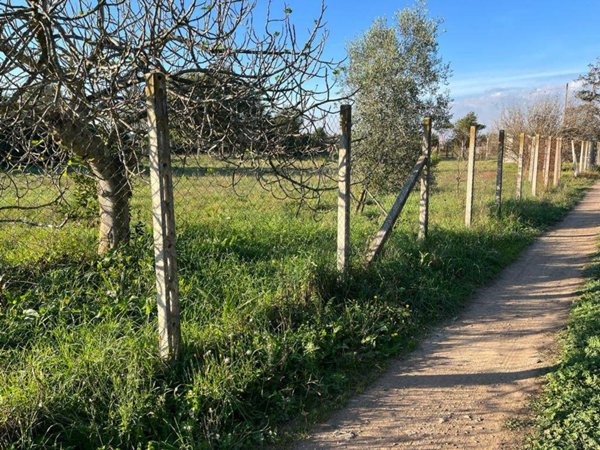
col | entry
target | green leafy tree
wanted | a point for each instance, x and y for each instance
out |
(462, 130)
(397, 77)
(590, 91)
(583, 118)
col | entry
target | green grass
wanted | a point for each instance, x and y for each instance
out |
(272, 341)
(568, 413)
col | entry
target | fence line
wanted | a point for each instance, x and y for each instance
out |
(167, 164)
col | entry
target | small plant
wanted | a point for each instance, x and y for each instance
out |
(83, 201)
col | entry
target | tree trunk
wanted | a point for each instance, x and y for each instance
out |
(114, 193)
(114, 190)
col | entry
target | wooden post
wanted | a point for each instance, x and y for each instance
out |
(163, 217)
(557, 162)
(499, 172)
(470, 176)
(582, 157)
(520, 166)
(534, 173)
(343, 221)
(547, 162)
(425, 181)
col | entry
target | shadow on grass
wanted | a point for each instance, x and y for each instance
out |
(266, 338)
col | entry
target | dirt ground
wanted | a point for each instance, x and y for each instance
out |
(472, 378)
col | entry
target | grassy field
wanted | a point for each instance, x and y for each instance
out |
(567, 415)
(271, 340)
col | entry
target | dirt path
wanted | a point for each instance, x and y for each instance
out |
(463, 383)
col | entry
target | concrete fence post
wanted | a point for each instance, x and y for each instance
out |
(425, 181)
(519, 192)
(574, 157)
(534, 172)
(531, 152)
(343, 219)
(547, 155)
(557, 162)
(470, 176)
(499, 172)
(163, 217)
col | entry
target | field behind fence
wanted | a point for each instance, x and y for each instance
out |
(270, 323)
(224, 209)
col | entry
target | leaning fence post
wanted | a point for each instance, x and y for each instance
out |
(343, 220)
(557, 162)
(582, 157)
(520, 166)
(470, 176)
(425, 181)
(499, 172)
(163, 217)
(536, 157)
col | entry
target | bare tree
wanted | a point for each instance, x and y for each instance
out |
(72, 75)
(542, 116)
(582, 121)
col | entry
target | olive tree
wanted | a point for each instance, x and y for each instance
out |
(72, 75)
(397, 77)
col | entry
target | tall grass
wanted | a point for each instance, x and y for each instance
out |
(272, 340)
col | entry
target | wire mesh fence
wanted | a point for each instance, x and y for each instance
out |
(261, 198)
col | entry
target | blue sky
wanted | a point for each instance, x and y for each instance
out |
(500, 51)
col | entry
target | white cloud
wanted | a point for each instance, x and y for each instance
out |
(488, 104)
(484, 82)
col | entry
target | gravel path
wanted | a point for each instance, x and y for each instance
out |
(463, 383)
